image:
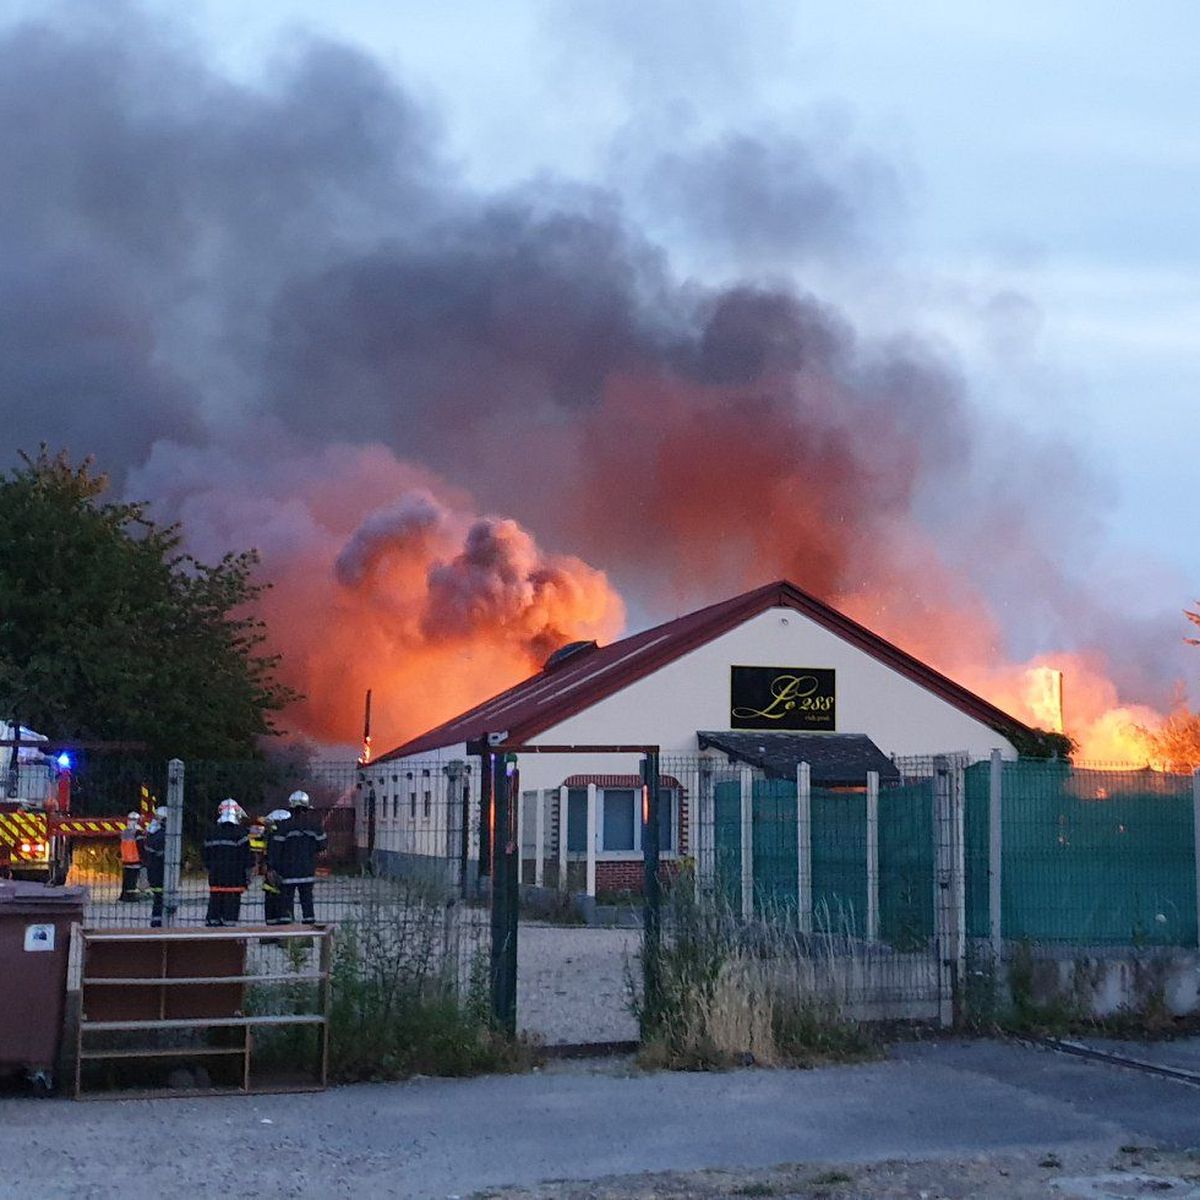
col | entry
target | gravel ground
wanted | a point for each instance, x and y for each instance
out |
(572, 983)
(947, 1120)
(1127, 1175)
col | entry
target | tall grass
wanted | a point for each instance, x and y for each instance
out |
(734, 992)
(409, 992)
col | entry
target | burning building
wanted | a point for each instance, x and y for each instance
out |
(770, 678)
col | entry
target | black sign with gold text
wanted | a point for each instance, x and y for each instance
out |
(782, 698)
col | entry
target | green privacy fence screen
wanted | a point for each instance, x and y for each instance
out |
(906, 864)
(1089, 857)
(838, 841)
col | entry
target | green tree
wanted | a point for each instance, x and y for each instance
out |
(108, 630)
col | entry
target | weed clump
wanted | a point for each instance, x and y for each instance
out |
(727, 993)
(409, 993)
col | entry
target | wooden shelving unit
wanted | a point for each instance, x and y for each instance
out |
(160, 982)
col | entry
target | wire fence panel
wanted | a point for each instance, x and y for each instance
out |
(839, 858)
(776, 869)
(1091, 857)
(401, 882)
(906, 864)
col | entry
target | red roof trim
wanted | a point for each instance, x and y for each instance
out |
(523, 711)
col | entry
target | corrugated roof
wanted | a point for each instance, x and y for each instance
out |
(564, 689)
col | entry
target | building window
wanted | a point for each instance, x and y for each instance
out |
(396, 807)
(577, 821)
(619, 820)
(428, 805)
(412, 806)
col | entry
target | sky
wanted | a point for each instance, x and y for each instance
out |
(1050, 151)
(480, 320)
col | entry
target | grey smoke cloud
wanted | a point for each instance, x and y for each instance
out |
(188, 260)
(408, 526)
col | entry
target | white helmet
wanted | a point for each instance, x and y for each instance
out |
(299, 800)
(230, 810)
(161, 812)
(133, 818)
(278, 814)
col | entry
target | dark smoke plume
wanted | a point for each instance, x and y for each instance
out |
(278, 313)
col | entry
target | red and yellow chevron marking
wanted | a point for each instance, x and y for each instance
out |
(83, 827)
(25, 835)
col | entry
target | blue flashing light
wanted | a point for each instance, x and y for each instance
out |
(64, 761)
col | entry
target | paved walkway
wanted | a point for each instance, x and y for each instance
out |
(577, 1121)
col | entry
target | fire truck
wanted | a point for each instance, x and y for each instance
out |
(37, 829)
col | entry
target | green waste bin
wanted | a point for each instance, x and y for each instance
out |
(35, 942)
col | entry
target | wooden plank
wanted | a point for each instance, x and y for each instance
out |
(202, 1022)
(201, 1093)
(204, 933)
(160, 1052)
(173, 980)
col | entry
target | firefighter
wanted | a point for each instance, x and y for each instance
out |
(292, 854)
(154, 854)
(258, 843)
(272, 888)
(131, 857)
(227, 859)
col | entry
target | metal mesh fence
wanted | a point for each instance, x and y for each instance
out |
(1090, 857)
(404, 890)
(875, 896)
(832, 882)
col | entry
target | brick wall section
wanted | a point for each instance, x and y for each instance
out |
(619, 876)
(626, 876)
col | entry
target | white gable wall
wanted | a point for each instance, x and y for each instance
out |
(692, 693)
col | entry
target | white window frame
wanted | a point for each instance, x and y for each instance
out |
(636, 852)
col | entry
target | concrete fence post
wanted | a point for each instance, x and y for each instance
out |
(949, 898)
(995, 854)
(173, 859)
(804, 890)
(692, 800)
(747, 825)
(591, 839)
(564, 807)
(706, 860)
(872, 856)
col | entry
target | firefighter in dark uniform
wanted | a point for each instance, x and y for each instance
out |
(272, 887)
(292, 855)
(154, 859)
(227, 859)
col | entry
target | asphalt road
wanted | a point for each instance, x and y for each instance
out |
(583, 1121)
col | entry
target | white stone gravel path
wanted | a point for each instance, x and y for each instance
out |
(571, 983)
